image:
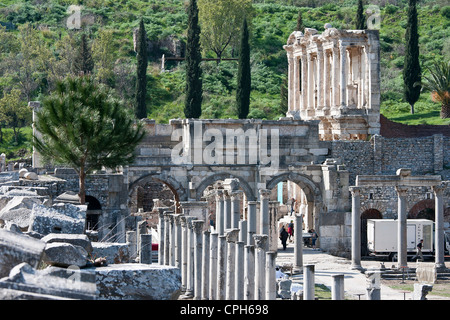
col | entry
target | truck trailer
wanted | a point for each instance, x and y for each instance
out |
(382, 239)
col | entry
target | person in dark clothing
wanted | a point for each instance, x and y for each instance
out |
(283, 237)
(419, 251)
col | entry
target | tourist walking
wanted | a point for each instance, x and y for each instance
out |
(292, 206)
(314, 237)
(291, 229)
(283, 237)
(419, 251)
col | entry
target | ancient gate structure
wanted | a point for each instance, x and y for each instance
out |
(191, 156)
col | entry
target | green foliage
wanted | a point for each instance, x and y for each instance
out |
(194, 92)
(360, 17)
(411, 68)
(141, 81)
(83, 127)
(244, 75)
(52, 49)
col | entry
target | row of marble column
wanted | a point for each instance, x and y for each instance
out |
(231, 263)
(323, 77)
(402, 226)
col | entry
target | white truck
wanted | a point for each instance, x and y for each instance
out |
(382, 237)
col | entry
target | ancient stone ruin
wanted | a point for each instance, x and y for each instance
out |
(197, 215)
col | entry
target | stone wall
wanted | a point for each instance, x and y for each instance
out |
(380, 155)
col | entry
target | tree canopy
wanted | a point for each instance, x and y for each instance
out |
(82, 126)
(221, 21)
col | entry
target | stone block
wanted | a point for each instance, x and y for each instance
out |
(51, 283)
(137, 281)
(113, 252)
(81, 240)
(18, 210)
(426, 272)
(64, 255)
(16, 248)
(60, 218)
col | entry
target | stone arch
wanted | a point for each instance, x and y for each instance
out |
(174, 186)
(370, 213)
(222, 176)
(423, 209)
(93, 213)
(303, 181)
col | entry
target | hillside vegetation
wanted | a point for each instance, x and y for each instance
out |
(109, 25)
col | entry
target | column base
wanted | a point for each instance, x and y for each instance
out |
(358, 267)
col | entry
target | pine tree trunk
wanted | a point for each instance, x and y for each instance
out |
(82, 184)
(445, 111)
(412, 108)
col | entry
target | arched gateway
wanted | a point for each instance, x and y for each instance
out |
(253, 156)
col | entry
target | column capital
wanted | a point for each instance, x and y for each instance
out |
(261, 241)
(236, 195)
(219, 194)
(264, 193)
(355, 191)
(401, 190)
(226, 194)
(439, 188)
(197, 226)
(251, 202)
(232, 235)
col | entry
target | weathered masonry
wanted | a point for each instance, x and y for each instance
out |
(210, 169)
(334, 77)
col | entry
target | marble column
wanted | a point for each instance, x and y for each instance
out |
(249, 272)
(206, 251)
(221, 266)
(343, 76)
(213, 266)
(227, 209)
(178, 236)
(251, 224)
(161, 229)
(232, 237)
(220, 222)
(335, 79)
(239, 276)
(184, 251)
(291, 79)
(261, 244)
(356, 228)
(243, 231)
(337, 288)
(132, 243)
(167, 238)
(271, 283)
(308, 282)
(439, 225)
(235, 199)
(264, 195)
(402, 232)
(310, 89)
(304, 81)
(197, 228)
(190, 259)
(298, 243)
(172, 240)
(326, 81)
(320, 69)
(296, 92)
(145, 252)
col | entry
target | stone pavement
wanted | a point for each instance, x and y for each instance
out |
(355, 282)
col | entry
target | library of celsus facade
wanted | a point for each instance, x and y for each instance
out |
(334, 77)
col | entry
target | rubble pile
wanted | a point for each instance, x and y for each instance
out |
(45, 254)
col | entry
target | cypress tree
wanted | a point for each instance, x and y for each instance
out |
(300, 26)
(244, 75)
(284, 92)
(141, 81)
(193, 99)
(83, 62)
(411, 68)
(360, 18)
